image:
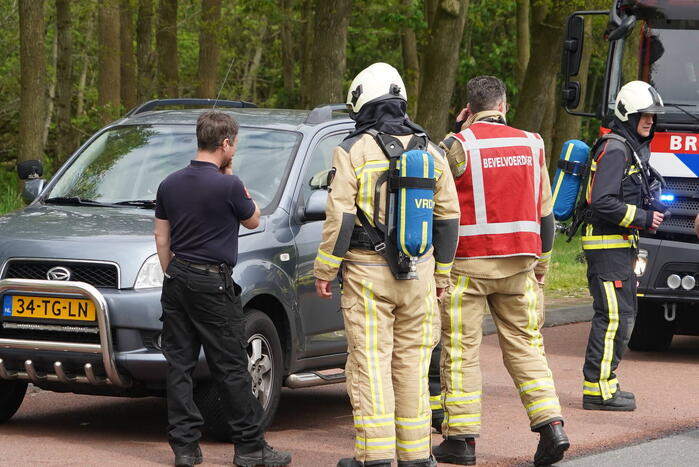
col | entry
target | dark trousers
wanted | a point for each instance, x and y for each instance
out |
(436, 387)
(202, 309)
(612, 284)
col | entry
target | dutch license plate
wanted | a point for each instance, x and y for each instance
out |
(22, 306)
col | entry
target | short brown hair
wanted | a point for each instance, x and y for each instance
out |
(213, 127)
(485, 93)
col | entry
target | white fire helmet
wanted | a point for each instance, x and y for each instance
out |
(637, 97)
(377, 82)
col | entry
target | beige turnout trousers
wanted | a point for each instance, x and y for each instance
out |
(513, 304)
(391, 328)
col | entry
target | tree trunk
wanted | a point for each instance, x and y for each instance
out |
(209, 47)
(64, 75)
(166, 46)
(548, 124)
(523, 43)
(108, 68)
(32, 79)
(287, 49)
(328, 55)
(144, 50)
(128, 62)
(541, 72)
(250, 77)
(438, 70)
(307, 53)
(50, 95)
(411, 64)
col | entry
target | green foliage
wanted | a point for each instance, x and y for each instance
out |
(567, 273)
(9, 197)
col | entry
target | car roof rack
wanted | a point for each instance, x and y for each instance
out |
(324, 113)
(202, 103)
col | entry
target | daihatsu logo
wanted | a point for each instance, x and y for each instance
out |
(58, 273)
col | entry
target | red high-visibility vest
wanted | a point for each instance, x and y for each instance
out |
(500, 192)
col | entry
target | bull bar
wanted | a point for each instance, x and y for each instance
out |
(104, 348)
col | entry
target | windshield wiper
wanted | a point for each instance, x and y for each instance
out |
(73, 200)
(140, 203)
(679, 107)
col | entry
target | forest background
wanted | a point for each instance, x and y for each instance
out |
(72, 66)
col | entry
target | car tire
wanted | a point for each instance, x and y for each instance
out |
(11, 397)
(265, 367)
(651, 332)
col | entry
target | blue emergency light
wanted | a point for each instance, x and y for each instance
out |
(667, 197)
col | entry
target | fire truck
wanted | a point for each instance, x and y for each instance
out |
(656, 41)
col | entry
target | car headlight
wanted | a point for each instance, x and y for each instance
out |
(641, 261)
(150, 275)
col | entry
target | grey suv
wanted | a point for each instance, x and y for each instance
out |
(80, 280)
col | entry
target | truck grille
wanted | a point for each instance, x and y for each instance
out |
(104, 275)
(684, 207)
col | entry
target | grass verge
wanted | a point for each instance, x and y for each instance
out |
(566, 279)
(9, 197)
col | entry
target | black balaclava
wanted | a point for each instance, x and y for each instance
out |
(387, 116)
(628, 128)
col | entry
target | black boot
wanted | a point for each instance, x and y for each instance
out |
(456, 450)
(553, 443)
(352, 462)
(617, 403)
(188, 458)
(266, 456)
(429, 462)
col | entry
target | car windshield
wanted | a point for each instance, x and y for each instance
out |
(671, 48)
(126, 164)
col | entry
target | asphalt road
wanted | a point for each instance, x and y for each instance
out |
(315, 424)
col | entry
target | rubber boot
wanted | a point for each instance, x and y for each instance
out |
(553, 443)
(429, 462)
(456, 450)
(617, 403)
(352, 462)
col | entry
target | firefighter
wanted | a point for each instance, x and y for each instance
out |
(391, 323)
(616, 210)
(503, 231)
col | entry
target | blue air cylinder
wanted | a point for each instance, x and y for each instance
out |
(569, 177)
(415, 205)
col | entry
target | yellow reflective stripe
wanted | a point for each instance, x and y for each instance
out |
(413, 423)
(464, 420)
(442, 268)
(458, 398)
(455, 322)
(425, 350)
(437, 173)
(610, 334)
(436, 402)
(371, 342)
(375, 443)
(328, 259)
(425, 174)
(371, 165)
(535, 384)
(545, 256)
(633, 169)
(531, 295)
(601, 242)
(369, 421)
(562, 174)
(413, 445)
(630, 214)
(593, 389)
(542, 404)
(403, 205)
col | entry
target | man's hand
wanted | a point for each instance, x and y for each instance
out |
(441, 292)
(323, 289)
(657, 220)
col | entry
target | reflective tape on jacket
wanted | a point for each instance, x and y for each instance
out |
(500, 192)
(605, 242)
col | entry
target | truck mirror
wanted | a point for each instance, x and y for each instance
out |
(624, 29)
(573, 45)
(571, 94)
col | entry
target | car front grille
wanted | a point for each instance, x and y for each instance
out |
(104, 275)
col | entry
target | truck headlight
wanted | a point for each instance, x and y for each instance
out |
(641, 261)
(150, 275)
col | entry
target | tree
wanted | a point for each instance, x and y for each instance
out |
(287, 49)
(439, 64)
(32, 77)
(109, 51)
(144, 50)
(411, 64)
(166, 45)
(64, 82)
(128, 62)
(328, 55)
(523, 41)
(209, 47)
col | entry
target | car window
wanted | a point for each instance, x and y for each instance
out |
(128, 163)
(316, 171)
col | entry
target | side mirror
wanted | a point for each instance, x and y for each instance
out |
(315, 206)
(624, 29)
(31, 169)
(32, 189)
(572, 56)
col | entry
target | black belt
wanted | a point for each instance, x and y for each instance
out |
(212, 268)
(360, 239)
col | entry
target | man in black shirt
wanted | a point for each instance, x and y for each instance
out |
(197, 216)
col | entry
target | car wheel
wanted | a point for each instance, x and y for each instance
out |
(265, 367)
(11, 397)
(651, 332)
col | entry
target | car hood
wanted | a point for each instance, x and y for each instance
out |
(120, 235)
